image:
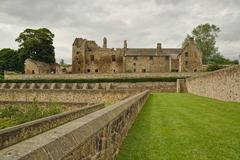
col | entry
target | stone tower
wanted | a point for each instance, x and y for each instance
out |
(104, 42)
(125, 44)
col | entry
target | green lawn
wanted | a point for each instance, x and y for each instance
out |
(184, 127)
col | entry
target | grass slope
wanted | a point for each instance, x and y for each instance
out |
(184, 127)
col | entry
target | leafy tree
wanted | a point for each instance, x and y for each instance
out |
(36, 44)
(62, 63)
(219, 59)
(205, 38)
(9, 60)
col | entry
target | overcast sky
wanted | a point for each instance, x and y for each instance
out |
(142, 22)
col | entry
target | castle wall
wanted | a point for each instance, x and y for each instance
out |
(222, 84)
(147, 64)
(104, 60)
(174, 65)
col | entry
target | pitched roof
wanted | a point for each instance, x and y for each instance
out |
(141, 52)
(152, 52)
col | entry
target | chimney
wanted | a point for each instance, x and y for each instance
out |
(159, 48)
(125, 44)
(191, 40)
(104, 42)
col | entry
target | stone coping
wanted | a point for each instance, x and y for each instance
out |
(63, 139)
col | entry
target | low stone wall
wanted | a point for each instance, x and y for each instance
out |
(154, 86)
(222, 84)
(20, 132)
(73, 96)
(95, 136)
(99, 76)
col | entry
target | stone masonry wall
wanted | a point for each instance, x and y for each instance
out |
(74, 96)
(98, 135)
(153, 86)
(145, 64)
(222, 84)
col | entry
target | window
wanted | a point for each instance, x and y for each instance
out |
(88, 70)
(78, 69)
(77, 52)
(135, 58)
(186, 63)
(143, 70)
(166, 58)
(195, 70)
(186, 54)
(33, 72)
(134, 64)
(113, 58)
(151, 58)
(134, 70)
(114, 70)
(92, 57)
(96, 70)
(78, 62)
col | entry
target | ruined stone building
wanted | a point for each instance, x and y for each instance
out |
(88, 57)
(36, 67)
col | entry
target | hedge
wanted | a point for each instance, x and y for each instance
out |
(103, 80)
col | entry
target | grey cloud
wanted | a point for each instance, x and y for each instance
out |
(143, 23)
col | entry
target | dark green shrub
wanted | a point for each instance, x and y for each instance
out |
(214, 67)
(102, 80)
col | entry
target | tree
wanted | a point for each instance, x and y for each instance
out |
(9, 60)
(205, 37)
(36, 44)
(62, 63)
(219, 59)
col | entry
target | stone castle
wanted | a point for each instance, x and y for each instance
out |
(88, 57)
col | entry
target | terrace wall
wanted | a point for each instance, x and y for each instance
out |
(73, 96)
(95, 136)
(222, 84)
(97, 76)
(154, 86)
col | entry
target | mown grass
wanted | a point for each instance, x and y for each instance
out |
(184, 127)
(11, 115)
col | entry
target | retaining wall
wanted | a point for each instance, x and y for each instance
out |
(20, 132)
(155, 86)
(222, 84)
(98, 76)
(95, 136)
(73, 96)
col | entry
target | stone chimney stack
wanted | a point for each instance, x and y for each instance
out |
(159, 48)
(191, 40)
(104, 42)
(125, 44)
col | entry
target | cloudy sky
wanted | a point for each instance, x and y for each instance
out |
(142, 22)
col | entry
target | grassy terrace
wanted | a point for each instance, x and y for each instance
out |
(11, 115)
(184, 127)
